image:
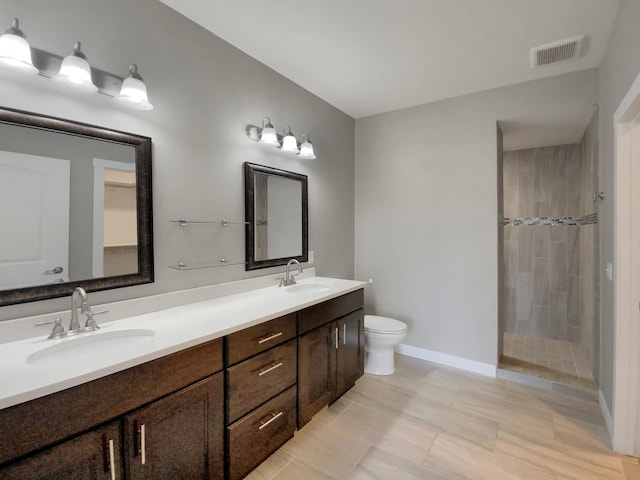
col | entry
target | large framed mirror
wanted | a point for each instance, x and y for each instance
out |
(75, 206)
(276, 212)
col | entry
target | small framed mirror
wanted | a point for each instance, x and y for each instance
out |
(75, 203)
(276, 212)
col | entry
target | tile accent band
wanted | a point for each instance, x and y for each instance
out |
(590, 219)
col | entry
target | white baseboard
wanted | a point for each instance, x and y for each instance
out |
(449, 360)
(608, 419)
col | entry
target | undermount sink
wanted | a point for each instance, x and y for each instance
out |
(88, 346)
(308, 288)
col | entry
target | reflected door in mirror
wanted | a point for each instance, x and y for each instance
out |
(120, 221)
(34, 212)
(115, 239)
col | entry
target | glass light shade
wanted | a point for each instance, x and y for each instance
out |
(15, 53)
(290, 144)
(133, 94)
(75, 74)
(269, 136)
(306, 150)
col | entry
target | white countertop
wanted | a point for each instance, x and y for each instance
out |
(174, 329)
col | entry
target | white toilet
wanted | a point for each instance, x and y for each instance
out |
(381, 335)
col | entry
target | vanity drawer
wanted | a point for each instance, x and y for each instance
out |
(256, 380)
(251, 341)
(257, 435)
(317, 315)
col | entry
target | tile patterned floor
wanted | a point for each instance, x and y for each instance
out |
(427, 421)
(556, 360)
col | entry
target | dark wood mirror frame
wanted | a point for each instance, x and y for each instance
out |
(250, 170)
(142, 147)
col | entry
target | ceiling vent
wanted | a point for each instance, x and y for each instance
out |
(556, 52)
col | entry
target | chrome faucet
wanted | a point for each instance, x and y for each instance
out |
(78, 295)
(289, 278)
(80, 301)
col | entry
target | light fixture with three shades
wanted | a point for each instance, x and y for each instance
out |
(72, 72)
(287, 142)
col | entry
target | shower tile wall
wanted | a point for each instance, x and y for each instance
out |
(542, 262)
(589, 250)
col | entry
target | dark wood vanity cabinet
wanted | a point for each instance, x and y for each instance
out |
(261, 377)
(178, 399)
(179, 436)
(209, 412)
(264, 403)
(330, 352)
(95, 455)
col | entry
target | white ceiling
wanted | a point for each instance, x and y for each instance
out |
(372, 56)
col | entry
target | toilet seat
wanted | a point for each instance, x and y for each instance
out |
(376, 324)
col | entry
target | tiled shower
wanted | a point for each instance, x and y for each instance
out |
(550, 322)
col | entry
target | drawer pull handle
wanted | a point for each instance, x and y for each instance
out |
(274, 416)
(270, 368)
(112, 460)
(344, 333)
(269, 337)
(143, 446)
(336, 338)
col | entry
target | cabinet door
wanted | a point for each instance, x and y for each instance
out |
(180, 436)
(316, 370)
(94, 455)
(350, 353)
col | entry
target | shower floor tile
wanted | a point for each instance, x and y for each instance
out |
(556, 360)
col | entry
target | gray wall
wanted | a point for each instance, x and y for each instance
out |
(427, 208)
(205, 92)
(618, 70)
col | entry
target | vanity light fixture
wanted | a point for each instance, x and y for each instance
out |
(289, 142)
(15, 52)
(268, 135)
(306, 149)
(133, 93)
(286, 142)
(73, 71)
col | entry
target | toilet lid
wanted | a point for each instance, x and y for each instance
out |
(373, 323)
